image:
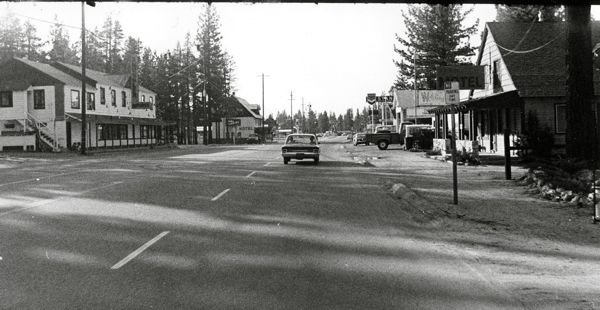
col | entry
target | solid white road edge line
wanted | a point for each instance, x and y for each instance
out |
(251, 173)
(138, 251)
(220, 195)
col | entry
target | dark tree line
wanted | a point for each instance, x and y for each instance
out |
(313, 122)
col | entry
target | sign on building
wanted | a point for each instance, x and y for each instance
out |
(468, 77)
(452, 96)
(233, 122)
(432, 97)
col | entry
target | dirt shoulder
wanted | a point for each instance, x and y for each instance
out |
(545, 253)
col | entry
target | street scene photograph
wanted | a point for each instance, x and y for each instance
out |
(278, 155)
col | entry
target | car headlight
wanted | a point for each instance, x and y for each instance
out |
(283, 151)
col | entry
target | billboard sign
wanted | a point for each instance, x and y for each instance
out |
(233, 122)
(432, 97)
(468, 77)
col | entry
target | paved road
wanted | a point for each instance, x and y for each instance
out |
(220, 227)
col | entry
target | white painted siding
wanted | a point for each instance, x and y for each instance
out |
(18, 109)
(491, 53)
(108, 108)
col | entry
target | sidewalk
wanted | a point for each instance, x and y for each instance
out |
(546, 253)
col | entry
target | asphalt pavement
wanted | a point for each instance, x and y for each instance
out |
(221, 227)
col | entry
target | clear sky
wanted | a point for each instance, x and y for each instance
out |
(331, 55)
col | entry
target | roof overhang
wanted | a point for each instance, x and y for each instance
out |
(109, 119)
(510, 99)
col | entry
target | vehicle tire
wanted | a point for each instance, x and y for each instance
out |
(382, 145)
(355, 144)
(316, 160)
(285, 161)
(367, 143)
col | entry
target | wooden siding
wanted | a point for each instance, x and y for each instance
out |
(491, 53)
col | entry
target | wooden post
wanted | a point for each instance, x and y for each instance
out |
(507, 172)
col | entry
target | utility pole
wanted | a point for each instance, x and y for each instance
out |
(416, 92)
(302, 115)
(291, 113)
(264, 135)
(83, 92)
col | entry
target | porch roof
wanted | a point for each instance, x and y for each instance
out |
(504, 100)
(109, 119)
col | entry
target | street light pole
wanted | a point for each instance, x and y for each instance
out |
(83, 92)
(291, 113)
(262, 129)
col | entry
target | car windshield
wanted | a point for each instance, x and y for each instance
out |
(301, 140)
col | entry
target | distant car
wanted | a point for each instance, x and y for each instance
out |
(253, 139)
(300, 146)
(360, 138)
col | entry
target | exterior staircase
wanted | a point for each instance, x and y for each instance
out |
(45, 135)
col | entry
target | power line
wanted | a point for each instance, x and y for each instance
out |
(61, 24)
(530, 50)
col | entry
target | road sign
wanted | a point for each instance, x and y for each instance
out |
(371, 98)
(452, 96)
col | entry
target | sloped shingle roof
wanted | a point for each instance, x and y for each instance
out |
(247, 106)
(53, 72)
(106, 79)
(543, 71)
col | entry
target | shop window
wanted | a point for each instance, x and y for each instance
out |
(74, 99)
(9, 126)
(560, 117)
(102, 96)
(113, 97)
(91, 101)
(39, 100)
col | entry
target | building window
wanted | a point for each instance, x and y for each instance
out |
(144, 131)
(6, 100)
(560, 117)
(112, 131)
(143, 98)
(113, 97)
(102, 96)
(91, 101)
(496, 77)
(151, 102)
(39, 101)
(74, 99)
(9, 126)
(123, 98)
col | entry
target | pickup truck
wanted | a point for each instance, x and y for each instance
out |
(383, 138)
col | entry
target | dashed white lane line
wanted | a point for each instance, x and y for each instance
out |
(251, 173)
(267, 164)
(137, 252)
(220, 195)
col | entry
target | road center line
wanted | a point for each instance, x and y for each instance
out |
(138, 251)
(220, 195)
(251, 173)
(267, 164)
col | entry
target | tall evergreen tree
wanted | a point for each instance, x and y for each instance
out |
(33, 43)
(61, 49)
(214, 69)
(311, 122)
(12, 40)
(93, 55)
(529, 13)
(437, 31)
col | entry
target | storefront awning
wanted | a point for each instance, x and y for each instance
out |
(505, 100)
(109, 119)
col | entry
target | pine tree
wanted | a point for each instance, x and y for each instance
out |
(33, 43)
(93, 55)
(215, 71)
(529, 13)
(439, 33)
(61, 49)
(12, 39)
(311, 122)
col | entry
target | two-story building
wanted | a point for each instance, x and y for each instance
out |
(40, 106)
(525, 75)
(242, 121)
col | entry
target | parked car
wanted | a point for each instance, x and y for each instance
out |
(300, 146)
(253, 139)
(360, 138)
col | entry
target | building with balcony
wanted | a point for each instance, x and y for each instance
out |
(40, 107)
